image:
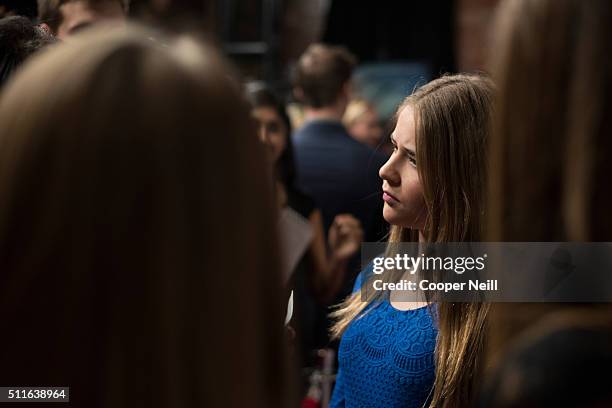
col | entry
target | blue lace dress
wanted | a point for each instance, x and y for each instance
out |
(386, 358)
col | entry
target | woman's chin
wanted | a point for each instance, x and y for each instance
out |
(390, 215)
(394, 217)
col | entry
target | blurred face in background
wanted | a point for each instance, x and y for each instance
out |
(77, 15)
(272, 130)
(366, 128)
(402, 191)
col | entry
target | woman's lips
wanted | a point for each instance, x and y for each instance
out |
(389, 199)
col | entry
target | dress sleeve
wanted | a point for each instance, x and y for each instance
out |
(358, 282)
(363, 277)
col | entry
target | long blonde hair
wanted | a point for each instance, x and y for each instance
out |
(129, 260)
(452, 117)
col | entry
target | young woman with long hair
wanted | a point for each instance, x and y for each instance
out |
(396, 353)
(132, 269)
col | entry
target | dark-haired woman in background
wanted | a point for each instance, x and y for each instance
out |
(318, 268)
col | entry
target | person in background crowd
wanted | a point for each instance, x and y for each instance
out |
(5, 12)
(339, 173)
(550, 148)
(315, 274)
(362, 122)
(19, 39)
(132, 270)
(326, 273)
(434, 191)
(63, 18)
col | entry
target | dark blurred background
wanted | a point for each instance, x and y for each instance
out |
(265, 36)
(399, 44)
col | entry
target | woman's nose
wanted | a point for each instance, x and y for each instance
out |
(388, 172)
(263, 135)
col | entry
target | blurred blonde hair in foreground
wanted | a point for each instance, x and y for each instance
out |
(136, 229)
(550, 146)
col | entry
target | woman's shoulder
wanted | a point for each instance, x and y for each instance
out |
(363, 277)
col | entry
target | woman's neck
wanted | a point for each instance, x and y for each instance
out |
(408, 300)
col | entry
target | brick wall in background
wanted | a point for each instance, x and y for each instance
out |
(474, 22)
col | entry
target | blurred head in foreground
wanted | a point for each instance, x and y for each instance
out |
(137, 262)
(550, 146)
(564, 362)
(550, 166)
(19, 39)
